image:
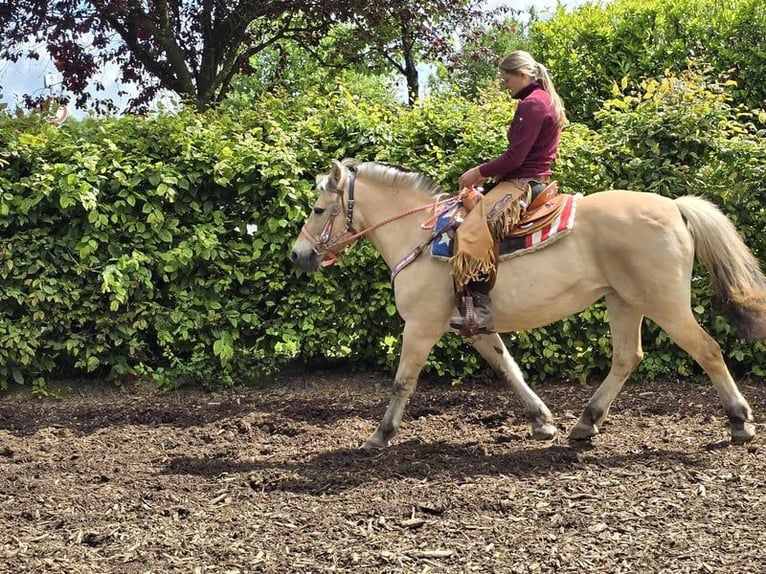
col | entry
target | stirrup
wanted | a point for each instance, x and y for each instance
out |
(467, 324)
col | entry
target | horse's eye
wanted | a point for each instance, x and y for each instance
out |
(319, 210)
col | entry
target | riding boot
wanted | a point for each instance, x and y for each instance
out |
(474, 316)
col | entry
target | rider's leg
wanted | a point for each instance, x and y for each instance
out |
(474, 315)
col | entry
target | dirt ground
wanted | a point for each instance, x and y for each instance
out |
(106, 480)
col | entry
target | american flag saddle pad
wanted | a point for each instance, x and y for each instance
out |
(559, 227)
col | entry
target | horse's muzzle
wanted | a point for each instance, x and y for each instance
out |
(304, 259)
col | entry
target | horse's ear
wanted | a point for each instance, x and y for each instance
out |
(337, 173)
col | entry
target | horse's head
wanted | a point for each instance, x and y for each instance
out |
(328, 228)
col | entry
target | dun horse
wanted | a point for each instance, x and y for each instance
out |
(636, 250)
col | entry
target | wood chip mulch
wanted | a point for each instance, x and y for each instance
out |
(125, 480)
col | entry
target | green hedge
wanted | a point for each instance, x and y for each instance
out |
(590, 48)
(159, 246)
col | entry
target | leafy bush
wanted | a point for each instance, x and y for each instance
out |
(594, 46)
(124, 244)
(159, 246)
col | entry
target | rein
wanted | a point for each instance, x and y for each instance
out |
(329, 248)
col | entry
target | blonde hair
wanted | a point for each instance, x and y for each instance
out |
(521, 61)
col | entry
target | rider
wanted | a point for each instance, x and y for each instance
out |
(533, 139)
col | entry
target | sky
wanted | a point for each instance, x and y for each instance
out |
(39, 77)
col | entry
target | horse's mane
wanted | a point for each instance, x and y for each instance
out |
(394, 176)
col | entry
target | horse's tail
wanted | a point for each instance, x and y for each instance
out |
(736, 273)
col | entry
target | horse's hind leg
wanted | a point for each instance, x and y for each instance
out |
(417, 342)
(686, 332)
(625, 326)
(494, 351)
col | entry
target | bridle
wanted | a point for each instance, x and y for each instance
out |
(328, 247)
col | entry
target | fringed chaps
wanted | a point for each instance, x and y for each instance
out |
(484, 226)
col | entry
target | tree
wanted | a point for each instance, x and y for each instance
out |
(195, 48)
(191, 47)
(397, 35)
(473, 68)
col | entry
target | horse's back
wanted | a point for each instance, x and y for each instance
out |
(630, 243)
(620, 219)
(615, 223)
(628, 206)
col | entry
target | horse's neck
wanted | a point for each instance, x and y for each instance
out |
(396, 236)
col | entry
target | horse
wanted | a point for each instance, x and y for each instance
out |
(636, 250)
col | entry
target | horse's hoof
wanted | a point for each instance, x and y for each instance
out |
(582, 432)
(374, 444)
(544, 432)
(742, 433)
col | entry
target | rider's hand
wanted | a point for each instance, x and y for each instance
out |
(471, 178)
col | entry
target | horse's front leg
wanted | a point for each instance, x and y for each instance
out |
(417, 341)
(495, 352)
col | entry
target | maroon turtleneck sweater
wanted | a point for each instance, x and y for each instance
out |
(533, 138)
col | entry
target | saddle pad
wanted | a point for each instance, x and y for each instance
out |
(441, 248)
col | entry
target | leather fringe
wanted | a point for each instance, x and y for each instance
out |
(507, 220)
(467, 267)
